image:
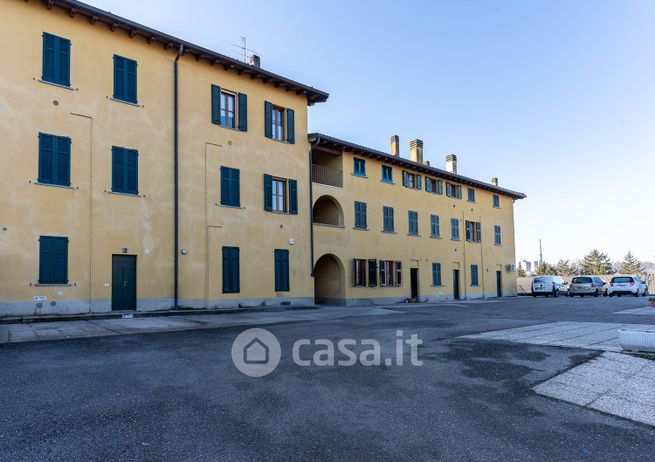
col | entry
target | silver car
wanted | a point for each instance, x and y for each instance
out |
(587, 285)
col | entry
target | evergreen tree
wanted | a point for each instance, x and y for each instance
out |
(630, 265)
(566, 268)
(520, 271)
(596, 263)
(544, 269)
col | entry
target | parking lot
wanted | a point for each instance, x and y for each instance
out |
(177, 395)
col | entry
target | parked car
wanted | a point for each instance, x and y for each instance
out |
(587, 285)
(627, 285)
(547, 286)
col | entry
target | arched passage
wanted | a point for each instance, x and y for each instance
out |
(329, 281)
(327, 211)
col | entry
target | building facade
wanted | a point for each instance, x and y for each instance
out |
(143, 172)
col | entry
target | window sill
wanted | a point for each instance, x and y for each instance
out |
(437, 285)
(278, 212)
(359, 176)
(39, 183)
(360, 229)
(389, 232)
(498, 245)
(116, 193)
(328, 225)
(413, 235)
(454, 240)
(276, 140)
(235, 129)
(237, 207)
(65, 87)
(387, 182)
(129, 103)
(475, 285)
(68, 284)
(435, 237)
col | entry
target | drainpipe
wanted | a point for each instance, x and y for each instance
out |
(311, 207)
(176, 200)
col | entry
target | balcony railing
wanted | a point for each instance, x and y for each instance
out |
(326, 175)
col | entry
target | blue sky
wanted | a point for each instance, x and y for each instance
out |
(556, 98)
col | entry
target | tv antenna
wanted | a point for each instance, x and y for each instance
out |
(244, 52)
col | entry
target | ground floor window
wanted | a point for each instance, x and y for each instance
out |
(391, 273)
(436, 274)
(53, 260)
(359, 272)
(474, 275)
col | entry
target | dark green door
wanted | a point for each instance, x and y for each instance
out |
(499, 283)
(456, 294)
(123, 286)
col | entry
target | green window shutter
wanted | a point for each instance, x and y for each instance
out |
(231, 270)
(56, 60)
(60, 270)
(405, 179)
(46, 259)
(132, 171)
(382, 273)
(119, 78)
(362, 211)
(419, 184)
(225, 186)
(236, 270)
(216, 104)
(117, 182)
(293, 197)
(281, 270)
(268, 119)
(235, 187)
(372, 273)
(49, 56)
(46, 158)
(243, 112)
(131, 80)
(62, 172)
(268, 192)
(63, 61)
(291, 127)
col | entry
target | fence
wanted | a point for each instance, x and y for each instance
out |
(326, 175)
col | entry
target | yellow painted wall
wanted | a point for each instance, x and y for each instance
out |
(416, 251)
(98, 223)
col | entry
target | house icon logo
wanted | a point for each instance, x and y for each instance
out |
(256, 352)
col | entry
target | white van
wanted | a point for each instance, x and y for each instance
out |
(548, 285)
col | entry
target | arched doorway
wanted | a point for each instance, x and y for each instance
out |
(327, 211)
(329, 281)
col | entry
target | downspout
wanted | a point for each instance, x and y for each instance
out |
(176, 199)
(311, 206)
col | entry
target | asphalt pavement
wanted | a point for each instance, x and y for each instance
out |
(178, 396)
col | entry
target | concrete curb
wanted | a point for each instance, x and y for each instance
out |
(146, 314)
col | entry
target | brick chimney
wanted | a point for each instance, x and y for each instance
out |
(494, 181)
(416, 151)
(451, 163)
(395, 145)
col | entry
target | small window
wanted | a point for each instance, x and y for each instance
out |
(454, 229)
(434, 226)
(281, 270)
(413, 222)
(471, 194)
(412, 180)
(277, 123)
(231, 284)
(125, 170)
(430, 185)
(497, 235)
(387, 174)
(54, 159)
(474, 276)
(280, 195)
(473, 231)
(360, 215)
(496, 201)
(56, 60)
(53, 260)
(125, 80)
(229, 109)
(387, 215)
(436, 274)
(439, 187)
(391, 273)
(359, 272)
(453, 190)
(230, 194)
(359, 166)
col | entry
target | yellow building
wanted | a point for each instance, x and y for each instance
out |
(143, 172)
